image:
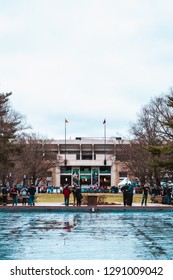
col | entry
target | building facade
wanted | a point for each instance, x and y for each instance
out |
(89, 161)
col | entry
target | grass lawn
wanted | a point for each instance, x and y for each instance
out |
(107, 198)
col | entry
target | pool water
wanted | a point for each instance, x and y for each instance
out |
(97, 236)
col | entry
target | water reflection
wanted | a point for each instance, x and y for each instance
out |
(86, 235)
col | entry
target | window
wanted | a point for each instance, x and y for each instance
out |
(86, 155)
(105, 169)
(85, 180)
(85, 169)
(66, 169)
(78, 156)
(105, 180)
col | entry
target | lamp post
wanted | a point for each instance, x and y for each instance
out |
(65, 161)
(104, 123)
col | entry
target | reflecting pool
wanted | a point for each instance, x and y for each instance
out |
(97, 236)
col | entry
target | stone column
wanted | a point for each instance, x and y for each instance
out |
(113, 172)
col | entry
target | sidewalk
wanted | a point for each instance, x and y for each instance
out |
(61, 204)
(108, 205)
(60, 207)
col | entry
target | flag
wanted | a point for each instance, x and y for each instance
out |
(104, 121)
(66, 121)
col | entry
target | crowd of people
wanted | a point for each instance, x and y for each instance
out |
(128, 191)
(146, 190)
(26, 193)
(164, 191)
(77, 195)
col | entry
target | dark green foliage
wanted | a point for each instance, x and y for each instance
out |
(164, 152)
(9, 126)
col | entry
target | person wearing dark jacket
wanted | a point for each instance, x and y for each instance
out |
(74, 194)
(79, 196)
(32, 191)
(168, 195)
(4, 195)
(124, 191)
(145, 190)
(130, 194)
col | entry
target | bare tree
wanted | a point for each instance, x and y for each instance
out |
(136, 159)
(36, 158)
(149, 126)
(165, 150)
(151, 132)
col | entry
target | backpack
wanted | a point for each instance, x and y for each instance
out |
(24, 192)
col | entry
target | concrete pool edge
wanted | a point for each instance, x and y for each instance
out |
(92, 209)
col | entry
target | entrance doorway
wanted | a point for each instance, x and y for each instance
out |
(105, 180)
(65, 180)
(85, 180)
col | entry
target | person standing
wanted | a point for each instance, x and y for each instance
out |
(124, 191)
(130, 194)
(168, 195)
(66, 193)
(145, 190)
(24, 194)
(4, 195)
(32, 191)
(79, 196)
(74, 194)
(14, 195)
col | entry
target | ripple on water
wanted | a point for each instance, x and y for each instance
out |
(86, 235)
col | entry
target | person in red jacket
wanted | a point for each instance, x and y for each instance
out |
(66, 193)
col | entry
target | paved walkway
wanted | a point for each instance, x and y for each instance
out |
(113, 205)
(59, 206)
(108, 205)
(118, 205)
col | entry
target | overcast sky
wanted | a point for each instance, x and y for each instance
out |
(85, 60)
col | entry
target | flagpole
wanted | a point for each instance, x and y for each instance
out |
(104, 122)
(65, 161)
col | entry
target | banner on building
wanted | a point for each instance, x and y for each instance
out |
(76, 177)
